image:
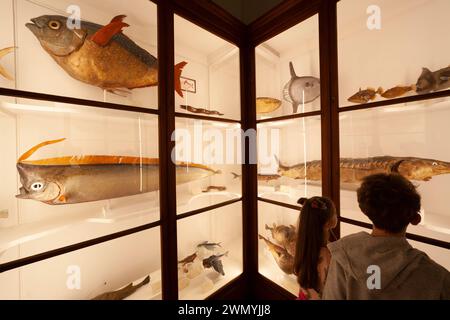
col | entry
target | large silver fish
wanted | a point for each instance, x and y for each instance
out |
(122, 293)
(433, 81)
(68, 180)
(300, 90)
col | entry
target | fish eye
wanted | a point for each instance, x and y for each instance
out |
(55, 25)
(434, 164)
(37, 186)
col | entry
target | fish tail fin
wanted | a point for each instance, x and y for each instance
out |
(178, 69)
(281, 167)
(380, 90)
(103, 36)
(219, 244)
(145, 281)
(295, 107)
(235, 175)
(291, 68)
(217, 171)
(261, 237)
(3, 72)
(30, 152)
(267, 227)
(226, 254)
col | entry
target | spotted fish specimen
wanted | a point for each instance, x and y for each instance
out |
(433, 81)
(98, 55)
(364, 96)
(122, 293)
(3, 72)
(300, 90)
(354, 170)
(397, 91)
(282, 257)
(267, 105)
(72, 179)
(215, 262)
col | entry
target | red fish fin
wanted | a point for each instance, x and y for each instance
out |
(178, 69)
(103, 36)
(30, 152)
(62, 199)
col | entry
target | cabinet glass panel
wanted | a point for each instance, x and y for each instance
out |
(390, 49)
(288, 71)
(277, 233)
(412, 137)
(92, 272)
(71, 173)
(208, 157)
(209, 251)
(440, 255)
(64, 48)
(207, 74)
(289, 159)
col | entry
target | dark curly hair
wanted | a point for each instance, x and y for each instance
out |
(390, 201)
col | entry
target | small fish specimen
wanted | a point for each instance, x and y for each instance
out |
(261, 177)
(215, 262)
(433, 81)
(364, 96)
(300, 90)
(217, 188)
(76, 179)
(353, 170)
(101, 56)
(201, 110)
(397, 91)
(209, 245)
(3, 72)
(267, 105)
(122, 293)
(282, 257)
(188, 259)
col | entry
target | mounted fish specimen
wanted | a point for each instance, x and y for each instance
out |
(188, 259)
(261, 177)
(217, 188)
(301, 90)
(282, 257)
(122, 293)
(215, 262)
(285, 236)
(354, 170)
(3, 72)
(267, 105)
(433, 81)
(209, 245)
(397, 91)
(364, 96)
(201, 110)
(101, 56)
(76, 179)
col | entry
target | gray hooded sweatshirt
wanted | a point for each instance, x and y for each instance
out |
(403, 273)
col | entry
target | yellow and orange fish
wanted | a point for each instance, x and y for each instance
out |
(98, 55)
(3, 72)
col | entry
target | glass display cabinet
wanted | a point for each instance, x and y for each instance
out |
(127, 137)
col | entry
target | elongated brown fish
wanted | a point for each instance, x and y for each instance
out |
(261, 177)
(354, 170)
(124, 292)
(397, 91)
(68, 180)
(282, 257)
(267, 105)
(364, 96)
(98, 55)
(3, 72)
(188, 259)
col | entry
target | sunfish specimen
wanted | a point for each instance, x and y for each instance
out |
(98, 55)
(3, 72)
(433, 81)
(122, 293)
(354, 170)
(300, 90)
(68, 180)
(282, 257)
